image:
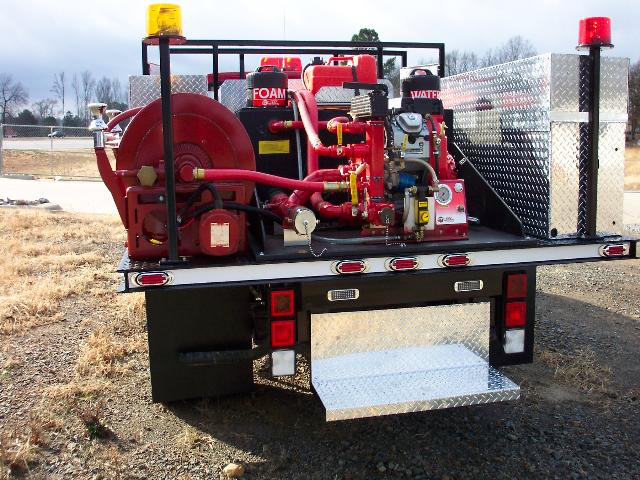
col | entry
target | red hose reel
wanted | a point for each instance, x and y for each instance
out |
(206, 135)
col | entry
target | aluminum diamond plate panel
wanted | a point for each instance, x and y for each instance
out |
(144, 89)
(611, 177)
(233, 93)
(563, 183)
(522, 125)
(341, 333)
(383, 362)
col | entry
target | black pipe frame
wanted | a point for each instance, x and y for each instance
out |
(167, 136)
(294, 47)
(591, 180)
(215, 51)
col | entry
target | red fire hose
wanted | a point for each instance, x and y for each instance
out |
(329, 210)
(121, 117)
(309, 115)
(226, 174)
(281, 203)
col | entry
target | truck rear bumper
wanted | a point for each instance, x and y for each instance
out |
(541, 253)
(382, 362)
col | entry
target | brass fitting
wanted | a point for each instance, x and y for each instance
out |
(336, 186)
(198, 173)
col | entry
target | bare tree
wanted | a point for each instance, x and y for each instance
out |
(58, 88)
(44, 108)
(634, 98)
(88, 85)
(117, 91)
(460, 61)
(104, 92)
(452, 63)
(491, 57)
(514, 48)
(77, 92)
(12, 95)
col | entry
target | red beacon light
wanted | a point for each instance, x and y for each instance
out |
(594, 32)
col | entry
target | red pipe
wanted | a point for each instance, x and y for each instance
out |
(121, 117)
(226, 174)
(301, 197)
(347, 125)
(112, 182)
(375, 140)
(277, 126)
(327, 209)
(282, 204)
(309, 115)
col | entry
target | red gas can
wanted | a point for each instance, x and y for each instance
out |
(359, 68)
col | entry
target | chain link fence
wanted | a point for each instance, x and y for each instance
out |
(47, 151)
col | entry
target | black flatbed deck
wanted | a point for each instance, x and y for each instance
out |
(481, 238)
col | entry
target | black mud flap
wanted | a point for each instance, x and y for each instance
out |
(198, 320)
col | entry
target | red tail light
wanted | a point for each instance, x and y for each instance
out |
(455, 260)
(617, 250)
(515, 314)
(400, 264)
(517, 285)
(283, 333)
(350, 266)
(282, 303)
(594, 31)
(150, 279)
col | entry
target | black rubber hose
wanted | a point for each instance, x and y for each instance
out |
(353, 240)
(217, 199)
(236, 206)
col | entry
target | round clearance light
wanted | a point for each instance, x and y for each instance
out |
(347, 267)
(153, 279)
(454, 260)
(402, 264)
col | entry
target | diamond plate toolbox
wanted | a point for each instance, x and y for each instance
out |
(382, 362)
(144, 89)
(521, 125)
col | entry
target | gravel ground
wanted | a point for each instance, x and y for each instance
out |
(577, 417)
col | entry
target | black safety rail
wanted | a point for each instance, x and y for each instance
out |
(215, 48)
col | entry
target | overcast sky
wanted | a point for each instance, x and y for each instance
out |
(43, 37)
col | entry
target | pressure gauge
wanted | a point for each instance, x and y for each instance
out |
(444, 195)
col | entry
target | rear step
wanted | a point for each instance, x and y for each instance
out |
(407, 380)
(384, 362)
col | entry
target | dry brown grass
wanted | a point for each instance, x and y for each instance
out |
(632, 168)
(105, 355)
(579, 369)
(80, 163)
(15, 454)
(190, 438)
(49, 258)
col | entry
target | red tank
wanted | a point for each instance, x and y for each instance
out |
(359, 68)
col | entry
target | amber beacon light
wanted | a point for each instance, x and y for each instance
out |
(164, 20)
(594, 32)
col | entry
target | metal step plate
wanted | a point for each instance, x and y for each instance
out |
(384, 362)
(407, 380)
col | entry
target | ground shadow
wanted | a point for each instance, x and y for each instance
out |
(565, 436)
